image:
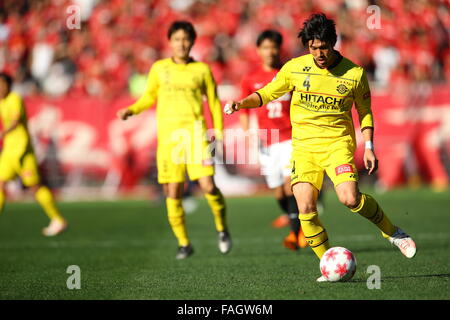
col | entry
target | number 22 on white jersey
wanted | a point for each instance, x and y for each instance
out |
(274, 108)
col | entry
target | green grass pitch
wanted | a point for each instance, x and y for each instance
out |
(126, 250)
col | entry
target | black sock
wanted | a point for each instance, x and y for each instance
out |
(293, 214)
(283, 202)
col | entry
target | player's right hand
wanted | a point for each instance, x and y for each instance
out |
(370, 161)
(231, 107)
(124, 114)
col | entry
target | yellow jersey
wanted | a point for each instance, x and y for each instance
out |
(16, 141)
(321, 100)
(179, 90)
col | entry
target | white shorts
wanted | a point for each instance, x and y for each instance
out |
(275, 163)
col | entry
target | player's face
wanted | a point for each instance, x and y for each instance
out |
(322, 52)
(4, 89)
(180, 43)
(269, 52)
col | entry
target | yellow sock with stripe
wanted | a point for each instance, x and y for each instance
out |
(314, 232)
(370, 209)
(2, 200)
(175, 214)
(217, 204)
(45, 198)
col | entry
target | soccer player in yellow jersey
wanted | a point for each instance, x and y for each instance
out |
(178, 84)
(325, 86)
(17, 156)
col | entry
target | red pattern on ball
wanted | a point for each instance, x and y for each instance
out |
(324, 271)
(331, 255)
(341, 269)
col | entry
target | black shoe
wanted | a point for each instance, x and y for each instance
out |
(224, 241)
(184, 252)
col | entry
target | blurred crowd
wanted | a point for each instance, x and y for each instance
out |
(105, 48)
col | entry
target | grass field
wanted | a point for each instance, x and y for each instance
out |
(125, 250)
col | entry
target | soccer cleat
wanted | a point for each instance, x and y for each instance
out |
(404, 242)
(281, 222)
(184, 252)
(322, 279)
(224, 242)
(302, 240)
(291, 241)
(55, 227)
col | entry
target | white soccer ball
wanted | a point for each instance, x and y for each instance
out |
(338, 264)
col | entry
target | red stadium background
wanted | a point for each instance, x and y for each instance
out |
(77, 62)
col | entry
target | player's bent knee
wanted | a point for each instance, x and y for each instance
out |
(307, 208)
(349, 200)
(348, 194)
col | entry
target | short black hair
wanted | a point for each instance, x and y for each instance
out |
(271, 35)
(182, 25)
(8, 79)
(319, 27)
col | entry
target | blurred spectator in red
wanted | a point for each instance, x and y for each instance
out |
(119, 39)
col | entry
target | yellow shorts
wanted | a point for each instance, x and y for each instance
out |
(338, 162)
(24, 166)
(175, 159)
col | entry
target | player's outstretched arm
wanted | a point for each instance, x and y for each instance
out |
(147, 99)
(273, 90)
(251, 101)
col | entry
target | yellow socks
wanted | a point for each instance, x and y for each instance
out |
(45, 198)
(175, 213)
(369, 209)
(317, 237)
(218, 208)
(2, 200)
(315, 233)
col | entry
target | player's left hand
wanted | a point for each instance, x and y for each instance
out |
(231, 107)
(370, 161)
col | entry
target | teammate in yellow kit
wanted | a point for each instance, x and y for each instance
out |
(178, 84)
(325, 86)
(17, 156)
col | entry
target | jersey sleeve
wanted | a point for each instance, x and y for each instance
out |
(277, 87)
(363, 102)
(214, 103)
(149, 96)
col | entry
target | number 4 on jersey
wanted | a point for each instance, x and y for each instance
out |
(306, 83)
